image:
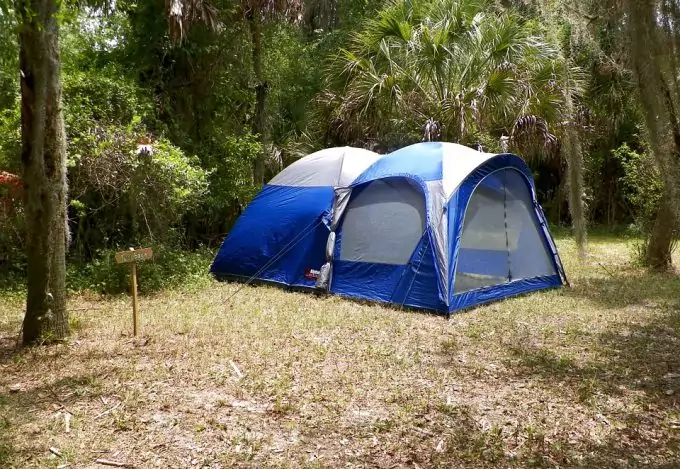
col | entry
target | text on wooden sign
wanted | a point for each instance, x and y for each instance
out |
(125, 257)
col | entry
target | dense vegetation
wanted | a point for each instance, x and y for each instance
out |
(176, 112)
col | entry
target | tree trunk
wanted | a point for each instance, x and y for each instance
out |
(43, 158)
(659, 251)
(573, 154)
(648, 53)
(575, 188)
(261, 89)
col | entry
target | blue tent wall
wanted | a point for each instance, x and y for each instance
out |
(280, 234)
(414, 284)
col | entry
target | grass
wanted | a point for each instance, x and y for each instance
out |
(582, 377)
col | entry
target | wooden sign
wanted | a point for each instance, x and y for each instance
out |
(132, 257)
(125, 257)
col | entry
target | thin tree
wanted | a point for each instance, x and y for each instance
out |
(43, 158)
(654, 37)
(257, 13)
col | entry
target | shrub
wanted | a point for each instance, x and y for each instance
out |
(10, 139)
(125, 187)
(229, 161)
(169, 268)
(641, 185)
(12, 254)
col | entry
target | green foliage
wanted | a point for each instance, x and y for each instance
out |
(228, 161)
(170, 268)
(122, 191)
(104, 95)
(230, 166)
(12, 255)
(9, 57)
(126, 181)
(471, 67)
(291, 69)
(641, 183)
(12, 229)
(10, 139)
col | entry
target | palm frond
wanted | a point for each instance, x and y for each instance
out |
(462, 63)
(531, 136)
(182, 13)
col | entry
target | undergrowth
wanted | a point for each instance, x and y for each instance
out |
(169, 269)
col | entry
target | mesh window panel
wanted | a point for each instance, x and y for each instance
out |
(383, 223)
(529, 254)
(501, 239)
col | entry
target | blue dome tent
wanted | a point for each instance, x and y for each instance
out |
(437, 226)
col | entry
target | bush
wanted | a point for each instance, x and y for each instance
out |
(170, 268)
(125, 187)
(644, 191)
(10, 139)
(229, 161)
(641, 185)
(12, 254)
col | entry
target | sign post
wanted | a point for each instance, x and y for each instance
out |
(132, 257)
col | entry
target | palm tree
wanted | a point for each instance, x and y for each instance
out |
(468, 67)
(451, 60)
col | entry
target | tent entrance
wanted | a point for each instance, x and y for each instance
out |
(381, 228)
(502, 240)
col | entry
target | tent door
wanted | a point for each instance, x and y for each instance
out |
(379, 231)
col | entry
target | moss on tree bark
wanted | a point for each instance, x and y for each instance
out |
(44, 171)
(650, 55)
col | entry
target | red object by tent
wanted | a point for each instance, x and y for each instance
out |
(11, 189)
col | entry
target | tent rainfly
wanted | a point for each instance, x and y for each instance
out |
(437, 226)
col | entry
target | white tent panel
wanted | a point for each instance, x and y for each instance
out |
(332, 167)
(458, 161)
(439, 222)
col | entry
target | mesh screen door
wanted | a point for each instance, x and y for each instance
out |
(383, 223)
(502, 240)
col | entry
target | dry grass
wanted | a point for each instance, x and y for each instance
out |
(587, 377)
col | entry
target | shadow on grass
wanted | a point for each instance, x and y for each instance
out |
(7, 452)
(20, 406)
(628, 374)
(640, 365)
(642, 359)
(8, 348)
(621, 289)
